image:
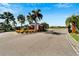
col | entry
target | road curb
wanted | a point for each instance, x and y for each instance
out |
(74, 44)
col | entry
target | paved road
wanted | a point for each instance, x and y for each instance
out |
(51, 43)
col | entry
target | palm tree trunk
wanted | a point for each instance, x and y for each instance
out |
(73, 28)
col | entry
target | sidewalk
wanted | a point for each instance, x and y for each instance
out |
(73, 43)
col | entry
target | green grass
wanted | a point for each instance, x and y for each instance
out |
(75, 36)
(58, 27)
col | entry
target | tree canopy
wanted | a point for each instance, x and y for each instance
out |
(73, 19)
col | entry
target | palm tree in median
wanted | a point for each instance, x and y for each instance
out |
(21, 19)
(37, 15)
(30, 18)
(34, 16)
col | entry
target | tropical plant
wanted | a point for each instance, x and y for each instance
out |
(37, 15)
(77, 21)
(68, 20)
(14, 23)
(74, 20)
(8, 17)
(30, 18)
(21, 19)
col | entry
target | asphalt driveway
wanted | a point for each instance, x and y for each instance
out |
(51, 43)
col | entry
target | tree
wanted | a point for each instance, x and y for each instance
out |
(37, 15)
(14, 23)
(34, 16)
(45, 25)
(30, 18)
(68, 20)
(74, 20)
(21, 19)
(77, 22)
(8, 17)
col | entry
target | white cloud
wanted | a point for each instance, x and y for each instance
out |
(5, 5)
(63, 5)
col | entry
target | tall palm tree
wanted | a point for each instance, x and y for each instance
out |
(8, 17)
(37, 15)
(30, 18)
(21, 19)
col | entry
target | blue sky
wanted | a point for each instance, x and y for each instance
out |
(53, 13)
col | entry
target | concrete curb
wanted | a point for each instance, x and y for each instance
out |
(74, 44)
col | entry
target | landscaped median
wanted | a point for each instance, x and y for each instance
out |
(75, 36)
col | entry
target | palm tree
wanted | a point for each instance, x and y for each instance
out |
(37, 15)
(77, 22)
(21, 19)
(30, 18)
(8, 17)
(74, 20)
(14, 23)
(68, 20)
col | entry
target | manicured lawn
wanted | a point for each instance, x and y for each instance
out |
(75, 36)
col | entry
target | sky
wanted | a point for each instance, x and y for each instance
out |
(54, 14)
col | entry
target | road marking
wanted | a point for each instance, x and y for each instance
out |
(72, 45)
